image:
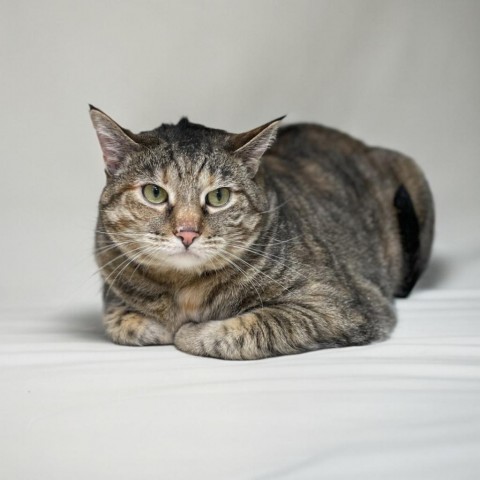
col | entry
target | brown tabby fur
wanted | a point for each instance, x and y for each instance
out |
(321, 232)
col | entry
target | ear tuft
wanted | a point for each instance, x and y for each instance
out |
(251, 145)
(114, 141)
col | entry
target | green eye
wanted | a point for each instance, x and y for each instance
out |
(218, 197)
(154, 193)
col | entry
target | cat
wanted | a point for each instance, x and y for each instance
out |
(276, 241)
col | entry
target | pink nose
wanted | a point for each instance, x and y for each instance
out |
(188, 235)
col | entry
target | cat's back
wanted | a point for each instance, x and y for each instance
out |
(307, 139)
(317, 157)
(345, 181)
(317, 161)
(329, 160)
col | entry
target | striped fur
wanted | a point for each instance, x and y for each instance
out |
(307, 254)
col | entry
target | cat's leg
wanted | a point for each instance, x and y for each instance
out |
(127, 327)
(258, 334)
(282, 330)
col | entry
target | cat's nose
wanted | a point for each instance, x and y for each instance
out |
(187, 235)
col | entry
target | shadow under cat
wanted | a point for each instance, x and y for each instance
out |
(436, 273)
(82, 324)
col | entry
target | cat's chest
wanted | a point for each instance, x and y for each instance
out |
(192, 304)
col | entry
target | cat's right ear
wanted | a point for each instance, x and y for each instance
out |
(115, 142)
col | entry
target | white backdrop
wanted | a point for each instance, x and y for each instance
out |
(402, 74)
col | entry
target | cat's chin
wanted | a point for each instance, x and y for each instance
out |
(186, 261)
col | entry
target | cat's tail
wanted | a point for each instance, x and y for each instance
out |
(409, 228)
(412, 204)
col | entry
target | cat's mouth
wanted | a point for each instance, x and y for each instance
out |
(187, 253)
(186, 258)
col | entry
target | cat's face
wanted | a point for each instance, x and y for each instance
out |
(183, 196)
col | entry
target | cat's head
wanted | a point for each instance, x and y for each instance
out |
(182, 196)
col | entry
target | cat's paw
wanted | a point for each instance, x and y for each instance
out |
(130, 328)
(188, 339)
(217, 339)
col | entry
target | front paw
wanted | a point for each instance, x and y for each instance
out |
(217, 339)
(187, 339)
(131, 328)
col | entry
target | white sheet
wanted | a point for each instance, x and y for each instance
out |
(404, 75)
(75, 406)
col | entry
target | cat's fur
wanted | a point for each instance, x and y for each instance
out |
(320, 234)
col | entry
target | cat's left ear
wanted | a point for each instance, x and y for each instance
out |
(251, 145)
(116, 142)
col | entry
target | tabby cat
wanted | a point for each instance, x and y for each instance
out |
(244, 246)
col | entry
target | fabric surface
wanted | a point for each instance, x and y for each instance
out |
(401, 74)
(75, 406)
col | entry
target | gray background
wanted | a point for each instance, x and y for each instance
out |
(402, 74)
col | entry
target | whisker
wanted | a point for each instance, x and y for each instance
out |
(268, 256)
(254, 268)
(113, 245)
(122, 254)
(250, 281)
(125, 264)
(150, 254)
(277, 242)
(125, 233)
(280, 205)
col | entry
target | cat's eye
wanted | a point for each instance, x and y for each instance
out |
(218, 197)
(154, 193)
